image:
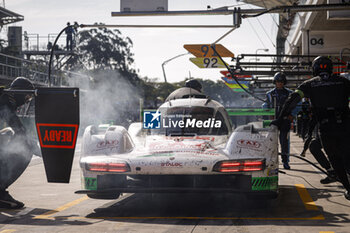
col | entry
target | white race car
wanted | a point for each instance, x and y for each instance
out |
(193, 150)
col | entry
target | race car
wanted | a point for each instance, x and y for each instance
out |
(191, 149)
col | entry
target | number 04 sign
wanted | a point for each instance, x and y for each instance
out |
(316, 41)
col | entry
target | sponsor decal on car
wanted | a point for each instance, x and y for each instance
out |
(171, 164)
(107, 144)
(249, 144)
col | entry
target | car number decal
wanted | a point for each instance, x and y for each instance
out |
(264, 183)
(90, 183)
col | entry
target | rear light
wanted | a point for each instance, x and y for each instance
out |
(239, 166)
(108, 167)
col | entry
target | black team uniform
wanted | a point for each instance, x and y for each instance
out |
(329, 96)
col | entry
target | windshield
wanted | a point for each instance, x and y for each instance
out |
(191, 121)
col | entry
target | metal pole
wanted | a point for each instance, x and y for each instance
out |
(298, 51)
(154, 26)
(296, 8)
(231, 30)
(6, 62)
(166, 62)
(279, 9)
(276, 55)
(37, 42)
(173, 13)
(141, 110)
(256, 55)
(308, 44)
(164, 72)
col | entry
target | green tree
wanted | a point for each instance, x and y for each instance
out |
(219, 92)
(216, 90)
(115, 87)
(104, 49)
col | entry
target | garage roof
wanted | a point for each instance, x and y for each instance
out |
(7, 17)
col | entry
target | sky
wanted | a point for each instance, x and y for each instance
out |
(153, 46)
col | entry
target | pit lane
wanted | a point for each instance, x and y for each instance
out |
(304, 205)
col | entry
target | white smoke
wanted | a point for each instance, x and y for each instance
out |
(106, 97)
(15, 155)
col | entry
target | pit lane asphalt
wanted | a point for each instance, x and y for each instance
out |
(304, 205)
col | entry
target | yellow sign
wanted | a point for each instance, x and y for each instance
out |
(205, 50)
(235, 86)
(207, 62)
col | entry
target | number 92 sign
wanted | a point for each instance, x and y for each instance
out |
(206, 56)
(207, 62)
